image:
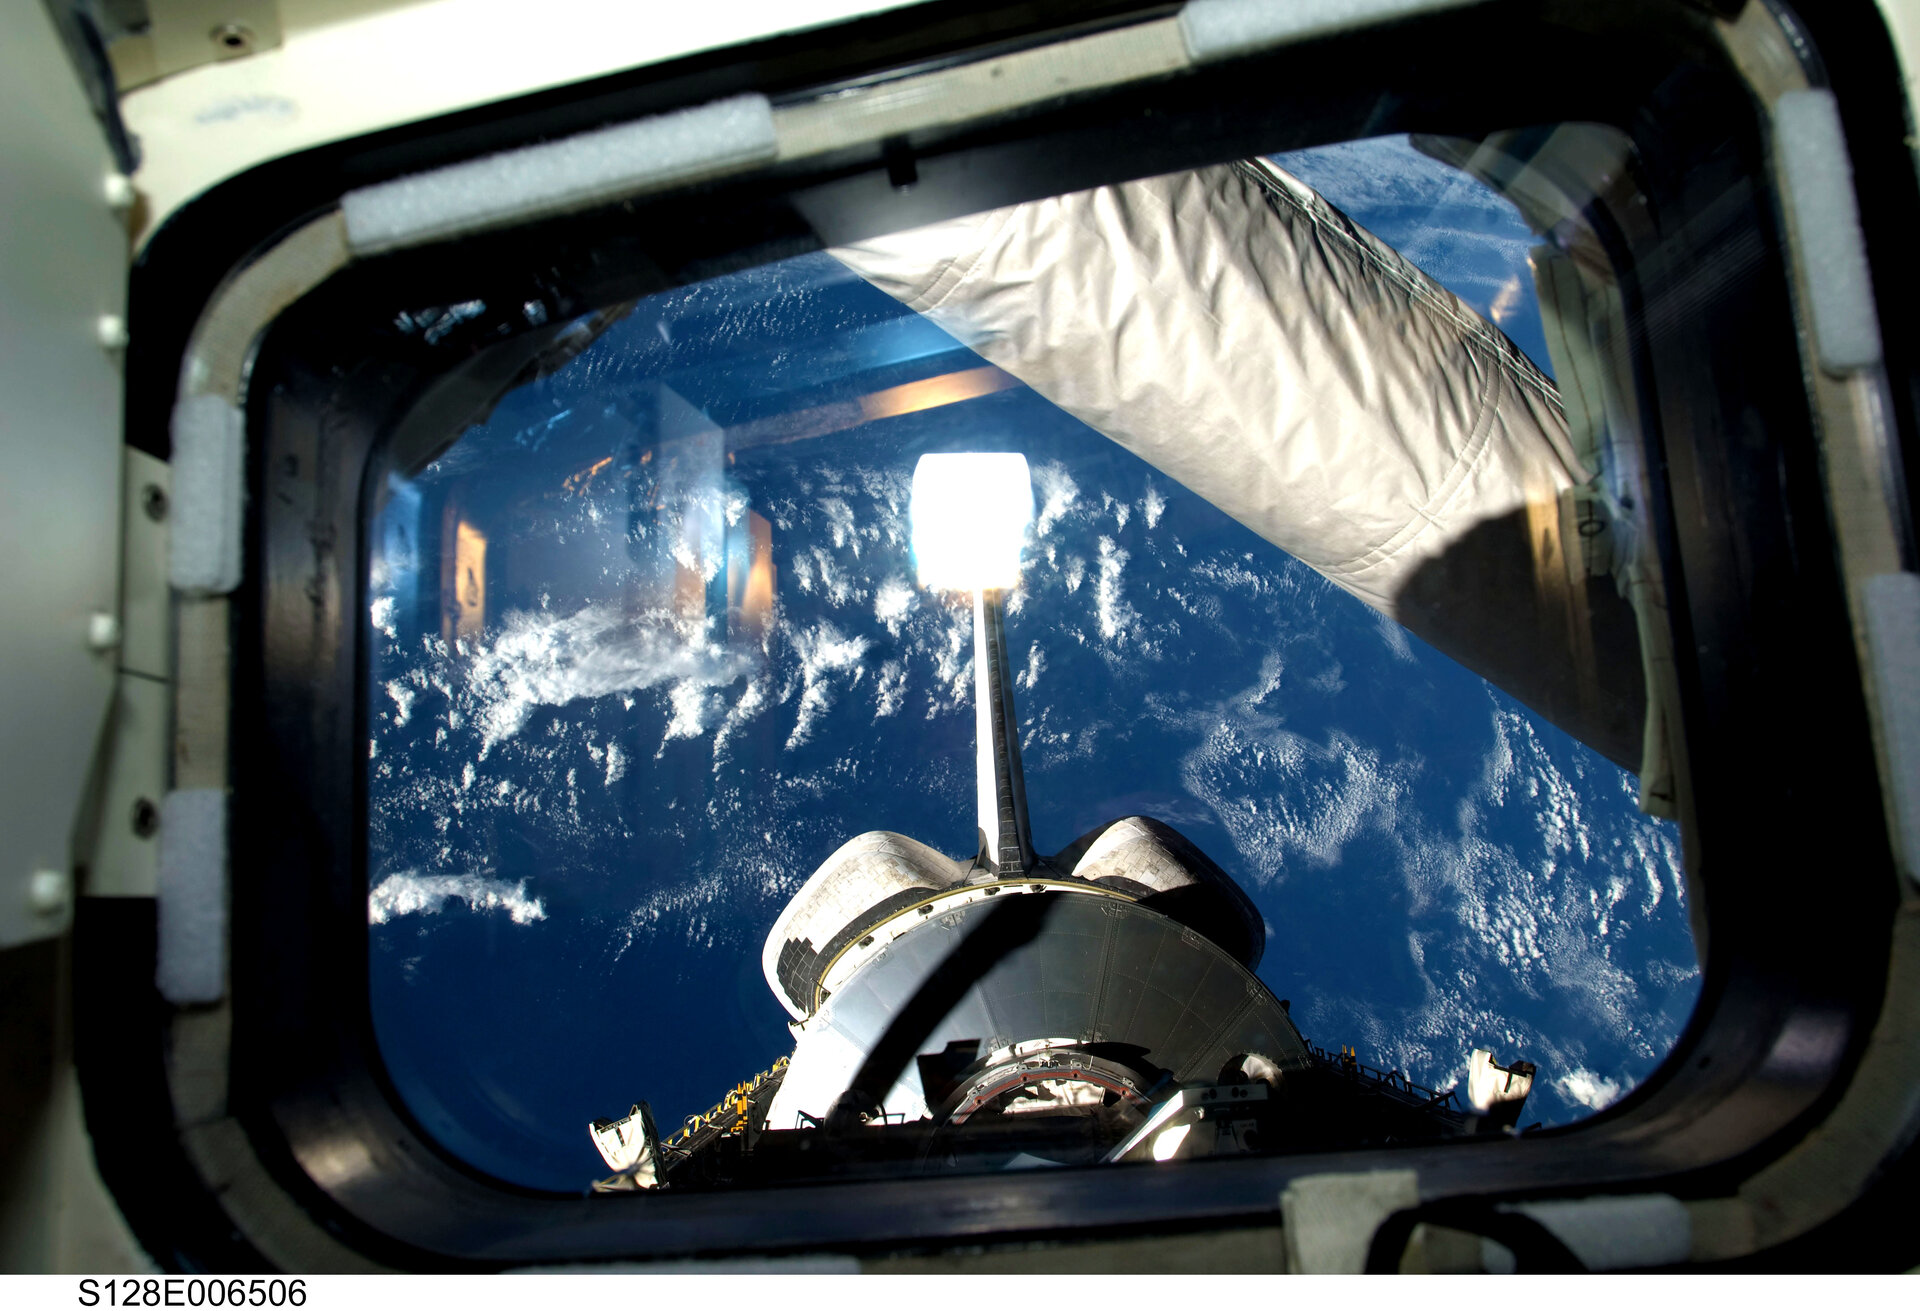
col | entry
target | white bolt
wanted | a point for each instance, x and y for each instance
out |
(103, 631)
(119, 192)
(112, 332)
(47, 891)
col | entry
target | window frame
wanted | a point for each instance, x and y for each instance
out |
(1790, 989)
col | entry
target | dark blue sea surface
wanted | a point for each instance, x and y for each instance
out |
(694, 662)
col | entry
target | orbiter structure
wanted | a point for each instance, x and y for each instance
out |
(1007, 1009)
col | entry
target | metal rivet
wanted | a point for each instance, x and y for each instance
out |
(111, 332)
(103, 631)
(47, 891)
(119, 192)
(153, 501)
(146, 818)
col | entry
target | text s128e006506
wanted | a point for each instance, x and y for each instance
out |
(192, 1291)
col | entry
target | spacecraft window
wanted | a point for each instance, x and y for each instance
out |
(645, 647)
(543, 713)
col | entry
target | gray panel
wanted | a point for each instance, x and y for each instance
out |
(63, 263)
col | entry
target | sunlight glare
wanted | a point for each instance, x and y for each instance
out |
(970, 512)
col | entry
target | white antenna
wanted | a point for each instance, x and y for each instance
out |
(970, 514)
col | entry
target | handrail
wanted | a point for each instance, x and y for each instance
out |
(1347, 1062)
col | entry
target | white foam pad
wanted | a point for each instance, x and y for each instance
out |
(1221, 29)
(557, 176)
(1893, 643)
(209, 457)
(192, 895)
(1818, 178)
(1619, 1233)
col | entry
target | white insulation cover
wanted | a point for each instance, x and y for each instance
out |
(1242, 336)
(1812, 148)
(1286, 366)
(209, 495)
(586, 169)
(1221, 29)
(192, 897)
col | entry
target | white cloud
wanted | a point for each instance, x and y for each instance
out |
(893, 602)
(1329, 680)
(691, 554)
(1232, 577)
(1272, 668)
(840, 525)
(840, 587)
(892, 690)
(752, 701)
(1394, 636)
(1058, 492)
(544, 660)
(823, 653)
(1285, 800)
(1036, 662)
(402, 701)
(413, 893)
(1509, 298)
(1075, 573)
(1115, 617)
(689, 906)
(690, 700)
(1589, 1089)
(1154, 506)
(943, 637)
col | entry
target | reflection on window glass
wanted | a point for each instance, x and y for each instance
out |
(1458, 232)
(648, 647)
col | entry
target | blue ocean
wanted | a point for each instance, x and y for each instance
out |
(647, 648)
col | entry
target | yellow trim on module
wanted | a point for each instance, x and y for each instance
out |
(738, 1102)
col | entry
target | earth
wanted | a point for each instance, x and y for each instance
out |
(594, 783)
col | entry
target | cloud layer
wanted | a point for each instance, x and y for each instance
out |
(412, 893)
